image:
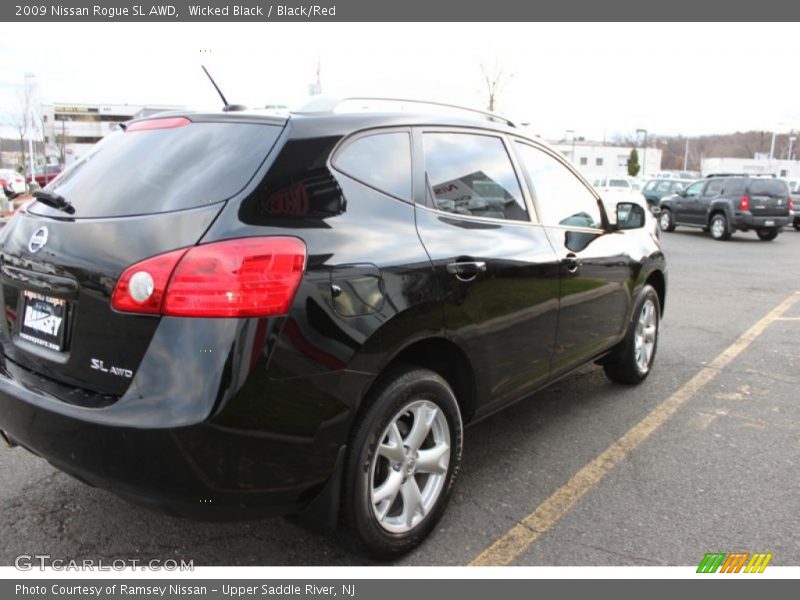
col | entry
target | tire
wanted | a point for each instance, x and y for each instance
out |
(404, 399)
(719, 227)
(631, 362)
(796, 226)
(767, 235)
(665, 220)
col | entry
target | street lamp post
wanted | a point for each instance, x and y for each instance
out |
(572, 132)
(644, 152)
(31, 124)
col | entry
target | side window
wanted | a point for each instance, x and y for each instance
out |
(382, 161)
(693, 191)
(651, 185)
(664, 186)
(563, 198)
(470, 174)
(714, 187)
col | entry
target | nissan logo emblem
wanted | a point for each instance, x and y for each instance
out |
(38, 240)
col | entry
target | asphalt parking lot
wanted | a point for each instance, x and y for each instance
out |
(718, 474)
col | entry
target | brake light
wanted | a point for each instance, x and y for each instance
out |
(247, 277)
(744, 203)
(791, 203)
(3, 182)
(162, 123)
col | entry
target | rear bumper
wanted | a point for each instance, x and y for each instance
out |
(748, 221)
(213, 470)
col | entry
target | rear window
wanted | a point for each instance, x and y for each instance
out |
(619, 183)
(769, 187)
(162, 170)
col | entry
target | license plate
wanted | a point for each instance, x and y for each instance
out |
(769, 223)
(43, 320)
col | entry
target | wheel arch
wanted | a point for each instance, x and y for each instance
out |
(442, 356)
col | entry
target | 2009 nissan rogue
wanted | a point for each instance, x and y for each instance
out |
(239, 314)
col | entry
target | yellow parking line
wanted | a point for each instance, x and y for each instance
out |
(522, 535)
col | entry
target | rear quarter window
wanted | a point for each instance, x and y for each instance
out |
(162, 170)
(380, 160)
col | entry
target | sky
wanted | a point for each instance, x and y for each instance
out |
(596, 79)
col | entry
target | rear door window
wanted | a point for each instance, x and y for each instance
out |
(714, 187)
(472, 174)
(381, 160)
(163, 169)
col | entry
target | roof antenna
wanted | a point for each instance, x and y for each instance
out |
(227, 107)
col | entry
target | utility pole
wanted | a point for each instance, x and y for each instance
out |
(686, 156)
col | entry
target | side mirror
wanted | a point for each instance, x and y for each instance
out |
(630, 215)
(681, 193)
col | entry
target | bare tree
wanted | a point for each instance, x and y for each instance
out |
(496, 81)
(21, 117)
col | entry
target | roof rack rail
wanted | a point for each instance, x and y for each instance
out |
(321, 105)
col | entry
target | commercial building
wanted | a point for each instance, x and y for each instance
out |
(597, 158)
(760, 165)
(70, 130)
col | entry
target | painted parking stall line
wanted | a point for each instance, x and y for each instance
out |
(528, 529)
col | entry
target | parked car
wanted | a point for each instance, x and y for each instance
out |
(13, 183)
(617, 189)
(46, 175)
(304, 317)
(794, 215)
(655, 189)
(724, 205)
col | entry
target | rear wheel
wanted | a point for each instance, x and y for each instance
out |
(767, 235)
(796, 226)
(665, 220)
(720, 229)
(632, 360)
(402, 461)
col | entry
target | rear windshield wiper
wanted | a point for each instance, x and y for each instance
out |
(54, 200)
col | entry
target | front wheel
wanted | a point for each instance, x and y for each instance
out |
(632, 360)
(402, 461)
(720, 230)
(665, 220)
(767, 235)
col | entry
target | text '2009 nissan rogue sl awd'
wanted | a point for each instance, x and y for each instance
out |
(237, 314)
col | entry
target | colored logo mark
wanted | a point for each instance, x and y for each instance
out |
(734, 562)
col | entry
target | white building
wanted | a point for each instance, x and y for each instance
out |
(70, 130)
(751, 166)
(596, 158)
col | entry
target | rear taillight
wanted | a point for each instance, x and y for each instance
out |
(247, 277)
(3, 182)
(791, 203)
(744, 203)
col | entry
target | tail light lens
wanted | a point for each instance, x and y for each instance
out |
(744, 203)
(248, 277)
(791, 203)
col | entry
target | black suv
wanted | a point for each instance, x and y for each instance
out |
(725, 204)
(238, 314)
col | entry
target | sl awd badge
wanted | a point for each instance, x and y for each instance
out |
(38, 240)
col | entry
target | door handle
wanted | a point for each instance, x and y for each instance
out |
(572, 262)
(466, 270)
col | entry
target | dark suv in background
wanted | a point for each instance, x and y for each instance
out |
(725, 204)
(305, 310)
